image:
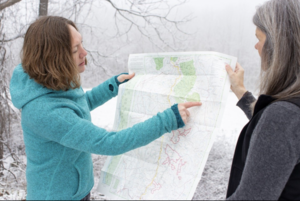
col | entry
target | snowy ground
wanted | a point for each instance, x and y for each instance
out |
(214, 180)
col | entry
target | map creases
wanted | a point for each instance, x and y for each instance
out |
(170, 167)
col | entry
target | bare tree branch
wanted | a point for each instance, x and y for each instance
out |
(7, 115)
(141, 14)
(8, 3)
(11, 173)
(13, 38)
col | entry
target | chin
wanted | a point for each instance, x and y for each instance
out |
(81, 69)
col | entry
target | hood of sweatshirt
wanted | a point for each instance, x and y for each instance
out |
(23, 89)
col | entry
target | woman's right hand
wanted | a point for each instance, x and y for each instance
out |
(184, 113)
(237, 80)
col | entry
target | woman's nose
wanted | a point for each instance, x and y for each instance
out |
(83, 53)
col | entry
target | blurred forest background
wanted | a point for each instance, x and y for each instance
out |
(111, 30)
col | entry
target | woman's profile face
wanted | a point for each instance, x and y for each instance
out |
(78, 52)
(261, 40)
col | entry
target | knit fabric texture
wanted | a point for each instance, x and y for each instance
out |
(60, 137)
(178, 117)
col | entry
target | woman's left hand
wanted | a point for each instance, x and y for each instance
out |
(125, 77)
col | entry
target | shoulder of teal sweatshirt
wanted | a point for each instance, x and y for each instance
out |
(24, 90)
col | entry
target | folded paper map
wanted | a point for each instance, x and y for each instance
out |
(171, 166)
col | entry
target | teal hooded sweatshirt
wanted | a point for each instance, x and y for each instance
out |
(60, 137)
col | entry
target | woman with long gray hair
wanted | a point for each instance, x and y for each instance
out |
(266, 163)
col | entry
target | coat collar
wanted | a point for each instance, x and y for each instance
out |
(262, 102)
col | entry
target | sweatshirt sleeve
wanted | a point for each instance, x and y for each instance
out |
(245, 102)
(273, 153)
(64, 126)
(102, 93)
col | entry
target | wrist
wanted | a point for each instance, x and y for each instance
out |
(180, 122)
(117, 78)
(117, 81)
(239, 92)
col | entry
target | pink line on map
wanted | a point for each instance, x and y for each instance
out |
(176, 160)
(176, 135)
(157, 187)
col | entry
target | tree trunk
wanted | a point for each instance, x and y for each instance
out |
(3, 109)
(43, 11)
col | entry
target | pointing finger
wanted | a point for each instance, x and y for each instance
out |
(125, 77)
(191, 104)
(128, 77)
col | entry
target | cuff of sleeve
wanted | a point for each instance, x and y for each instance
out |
(117, 81)
(245, 104)
(180, 122)
(112, 85)
(247, 99)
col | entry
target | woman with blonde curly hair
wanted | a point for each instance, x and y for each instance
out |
(58, 133)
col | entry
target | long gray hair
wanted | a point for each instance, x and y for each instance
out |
(280, 57)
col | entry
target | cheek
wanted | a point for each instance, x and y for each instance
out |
(75, 58)
(260, 47)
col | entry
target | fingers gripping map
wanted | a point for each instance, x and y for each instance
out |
(171, 166)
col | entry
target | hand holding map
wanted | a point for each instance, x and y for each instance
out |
(236, 80)
(123, 77)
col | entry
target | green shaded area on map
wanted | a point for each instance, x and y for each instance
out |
(188, 68)
(111, 169)
(186, 84)
(174, 59)
(159, 62)
(195, 97)
(116, 183)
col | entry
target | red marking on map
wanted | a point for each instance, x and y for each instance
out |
(125, 191)
(156, 187)
(176, 135)
(176, 162)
